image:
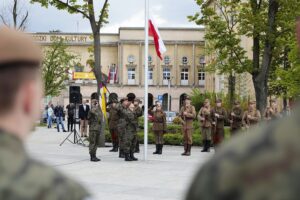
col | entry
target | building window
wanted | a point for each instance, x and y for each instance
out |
(201, 77)
(166, 75)
(184, 60)
(150, 76)
(131, 76)
(185, 76)
(150, 60)
(167, 60)
(112, 73)
(131, 59)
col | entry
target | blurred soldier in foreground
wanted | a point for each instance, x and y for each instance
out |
(264, 164)
(252, 116)
(139, 113)
(113, 124)
(272, 112)
(187, 114)
(204, 118)
(159, 127)
(235, 118)
(95, 122)
(219, 116)
(20, 94)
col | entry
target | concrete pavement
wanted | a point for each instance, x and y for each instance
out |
(163, 177)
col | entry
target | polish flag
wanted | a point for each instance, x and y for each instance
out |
(159, 44)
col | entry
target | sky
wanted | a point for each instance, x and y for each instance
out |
(122, 13)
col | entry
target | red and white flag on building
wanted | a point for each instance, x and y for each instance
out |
(159, 44)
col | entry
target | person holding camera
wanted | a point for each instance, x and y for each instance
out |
(159, 126)
(95, 122)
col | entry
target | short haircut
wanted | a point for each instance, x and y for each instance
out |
(11, 79)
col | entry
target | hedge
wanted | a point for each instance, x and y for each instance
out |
(173, 136)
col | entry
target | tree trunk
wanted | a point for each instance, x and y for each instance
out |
(260, 78)
(231, 89)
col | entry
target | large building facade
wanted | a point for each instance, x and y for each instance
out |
(122, 60)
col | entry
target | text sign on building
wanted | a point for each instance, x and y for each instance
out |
(66, 38)
(84, 75)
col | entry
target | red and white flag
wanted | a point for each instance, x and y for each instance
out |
(159, 44)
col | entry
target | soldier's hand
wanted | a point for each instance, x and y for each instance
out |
(217, 115)
(185, 113)
(232, 114)
(249, 116)
(230, 121)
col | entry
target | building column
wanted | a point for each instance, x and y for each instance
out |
(139, 69)
(175, 70)
(193, 76)
(121, 70)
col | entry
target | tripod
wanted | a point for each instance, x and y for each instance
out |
(77, 138)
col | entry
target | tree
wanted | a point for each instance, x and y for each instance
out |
(19, 17)
(223, 40)
(266, 22)
(87, 9)
(56, 65)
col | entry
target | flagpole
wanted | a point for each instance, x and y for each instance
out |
(146, 80)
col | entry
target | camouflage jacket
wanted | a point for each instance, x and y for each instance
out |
(24, 178)
(220, 121)
(95, 119)
(138, 113)
(121, 111)
(262, 165)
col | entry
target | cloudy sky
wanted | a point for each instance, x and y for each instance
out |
(129, 13)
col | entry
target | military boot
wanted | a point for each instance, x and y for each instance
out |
(156, 151)
(185, 150)
(121, 154)
(204, 142)
(137, 147)
(208, 145)
(160, 147)
(113, 149)
(94, 158)
(132, 156)
(116, 148)
(188, 153)
(127, 157)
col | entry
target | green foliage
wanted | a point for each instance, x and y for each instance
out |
(56, 64)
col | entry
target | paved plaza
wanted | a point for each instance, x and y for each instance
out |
(161, 177)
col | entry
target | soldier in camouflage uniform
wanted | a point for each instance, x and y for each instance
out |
(205, 120)
(219, 115)
(139, 113)
(95, 123)
(252, 116)
(22, 177)
(123, 105)
(235, 118)
(113, 120)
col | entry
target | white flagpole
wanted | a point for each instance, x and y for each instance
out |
(146, 80)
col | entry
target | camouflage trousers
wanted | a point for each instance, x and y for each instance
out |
(206, 133)
(130, 140)
(218, 136)
(93, 137)
(159, 137)
(121, 133)
(188, 136)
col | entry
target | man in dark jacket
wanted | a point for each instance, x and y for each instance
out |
(59, 114)
(83, 114)
(71, 112)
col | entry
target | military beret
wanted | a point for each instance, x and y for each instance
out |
(17, 48)
(273, 101)
(252, 102)
(188, 98)
(219, 101)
